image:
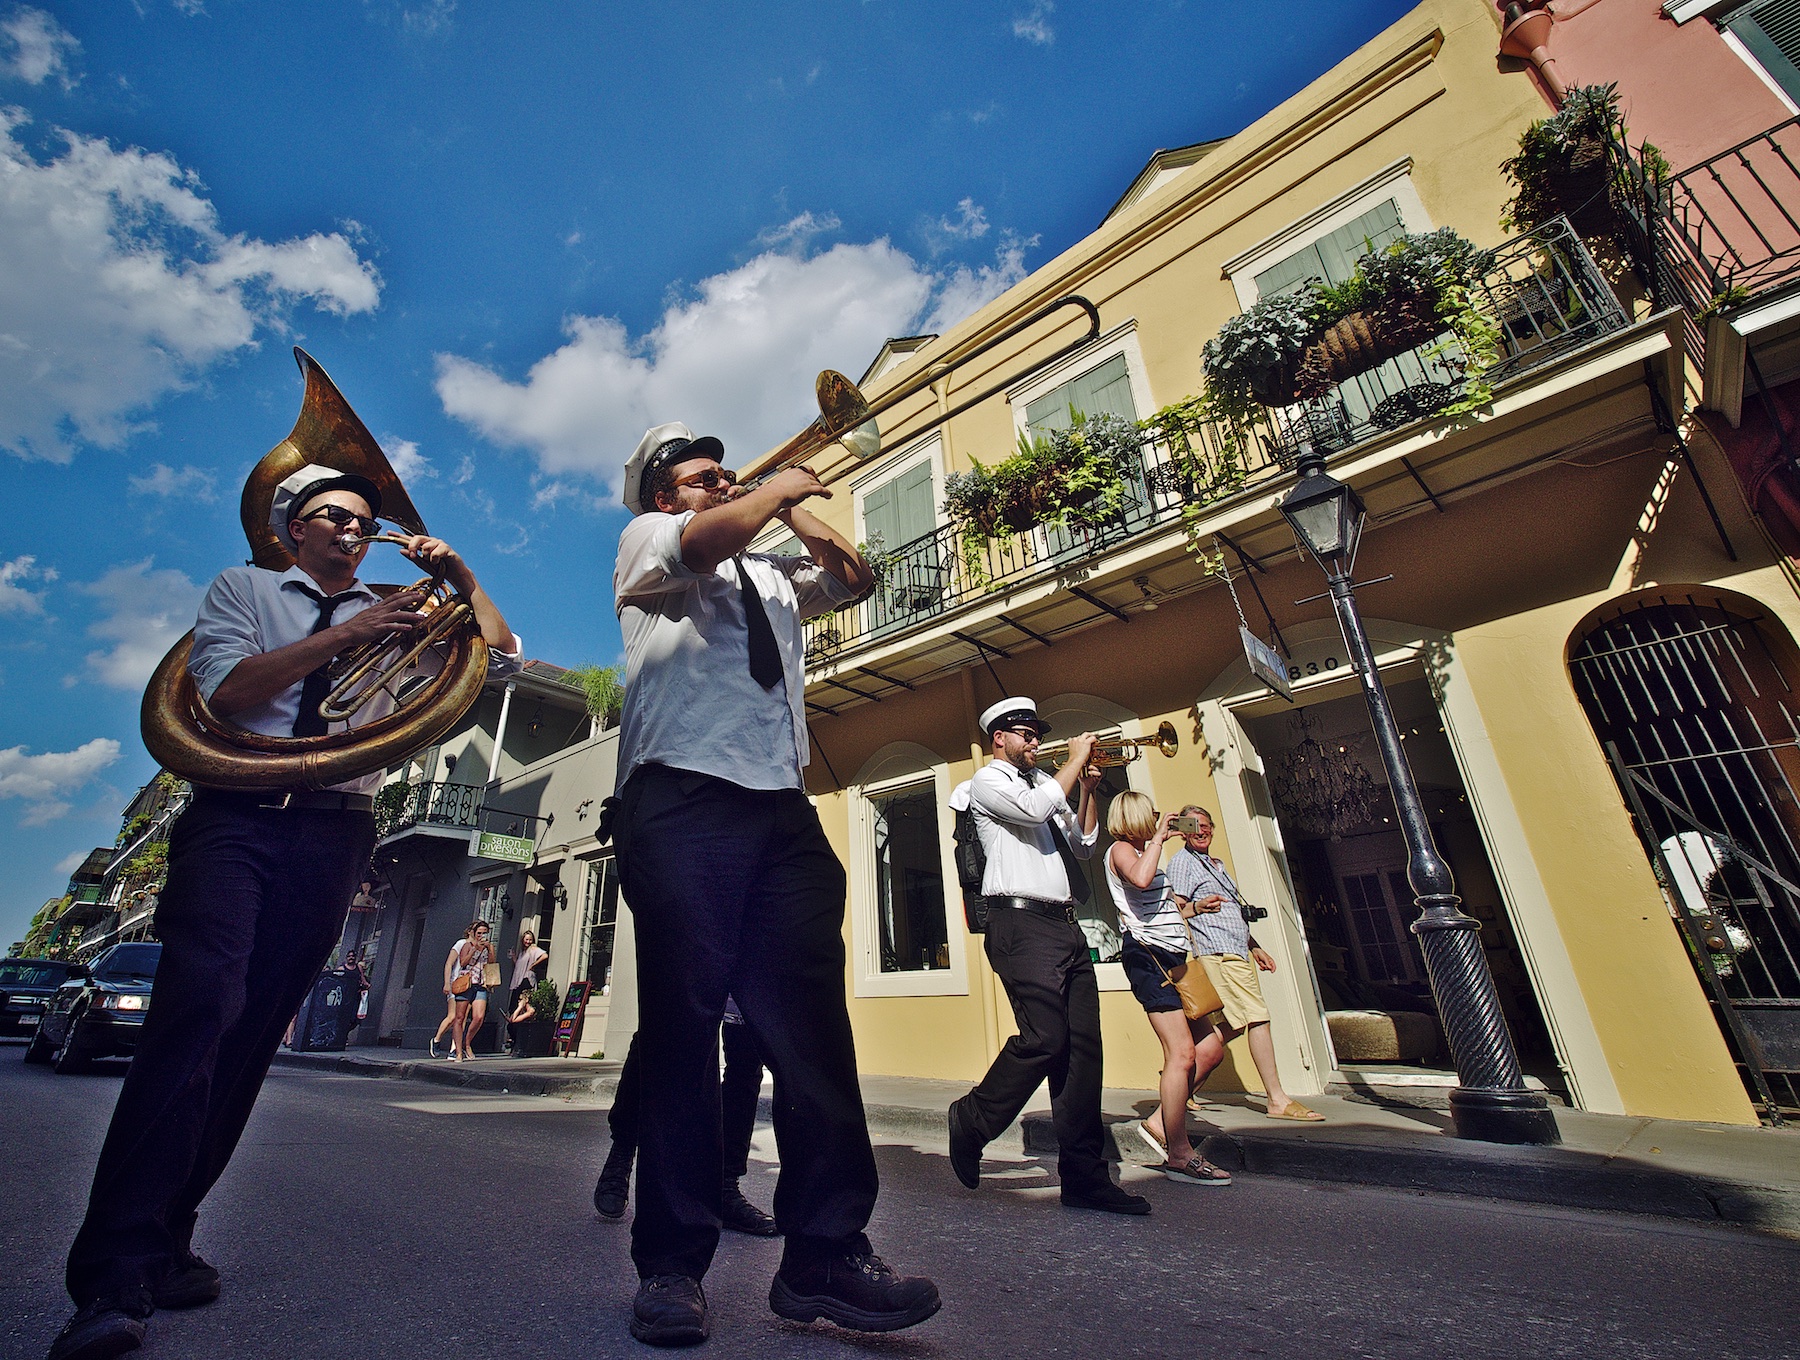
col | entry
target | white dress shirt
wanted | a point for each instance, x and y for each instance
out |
(1012, 817)
(690, 700)
(248, 611)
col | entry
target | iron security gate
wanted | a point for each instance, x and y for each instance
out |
(1699, 719)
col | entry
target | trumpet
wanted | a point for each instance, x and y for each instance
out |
(1116, 750)
(351, 543)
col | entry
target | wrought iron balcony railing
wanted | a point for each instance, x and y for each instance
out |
(400, 806)
(1544, 294)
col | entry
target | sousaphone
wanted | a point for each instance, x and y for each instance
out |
(190, 740)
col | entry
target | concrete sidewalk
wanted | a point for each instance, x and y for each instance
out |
(1711, 1172)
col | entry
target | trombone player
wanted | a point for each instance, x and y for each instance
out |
(258, 886)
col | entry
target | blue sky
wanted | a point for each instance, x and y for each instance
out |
(516, 234)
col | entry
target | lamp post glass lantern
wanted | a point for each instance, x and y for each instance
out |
(1490, 1101)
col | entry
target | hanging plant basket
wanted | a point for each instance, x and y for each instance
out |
(1364, 340)
(1581, 190)
(1276, 386)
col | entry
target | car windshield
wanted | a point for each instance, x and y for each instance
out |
(33, 973)
(129, 961)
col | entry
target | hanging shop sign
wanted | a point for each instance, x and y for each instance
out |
(1267, 664)
(510, 849)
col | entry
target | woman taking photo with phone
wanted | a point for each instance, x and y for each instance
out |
(1154, 952)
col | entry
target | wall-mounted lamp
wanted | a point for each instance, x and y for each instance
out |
(1143, 585)
(505, 901)
(537, 718)
(560, 895)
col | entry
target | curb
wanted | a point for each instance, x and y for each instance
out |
(1566, 1178)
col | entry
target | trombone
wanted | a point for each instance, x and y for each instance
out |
(1112, 751)
(849, 419)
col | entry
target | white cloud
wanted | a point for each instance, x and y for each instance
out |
(119, 286)
(1034, 25)
(70, 862)
(162, 480)
(14, 597)
(407, 461)
(965, 291)
(145, 612)
(465, 470)
(430, 18)
(797, 233)
(970, 224)
(45, 782)
(737, 357)
(36, 47)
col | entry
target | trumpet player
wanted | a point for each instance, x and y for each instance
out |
(1033, 840)
(257, 890)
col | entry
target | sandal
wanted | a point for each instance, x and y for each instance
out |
(1295, 1110)
(1198, 1171)
(1153, 1142)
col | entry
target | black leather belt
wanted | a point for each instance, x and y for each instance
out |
(290, 800)
(1056, 911)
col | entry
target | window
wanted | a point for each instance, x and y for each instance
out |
(897, 513)
(1105, 390)
(1332, 259)
(599, 924)
(1768, 31)
(489, 906)
(909, 881)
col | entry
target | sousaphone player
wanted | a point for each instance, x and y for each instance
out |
(259, 880)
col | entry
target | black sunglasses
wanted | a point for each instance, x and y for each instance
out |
(709, 478)
(341, 516)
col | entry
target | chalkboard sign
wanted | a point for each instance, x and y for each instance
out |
(568, 1020)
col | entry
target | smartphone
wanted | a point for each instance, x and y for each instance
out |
(1187, 825)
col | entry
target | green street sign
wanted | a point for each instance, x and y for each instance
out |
(512, 849)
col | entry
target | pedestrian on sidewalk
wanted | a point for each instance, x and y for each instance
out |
(1032, 839)
(526, 958)
(1156, 947)
(449, 999)
(469, 985)
(735, 889)
(1206, 895)
(739, 1090)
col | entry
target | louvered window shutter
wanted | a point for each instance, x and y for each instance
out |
(1770, 29)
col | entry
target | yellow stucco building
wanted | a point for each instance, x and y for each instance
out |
(1526, 541)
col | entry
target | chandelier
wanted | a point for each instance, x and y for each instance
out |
(1323, 790)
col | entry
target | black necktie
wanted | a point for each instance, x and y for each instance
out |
(1078, 881)
(307, 722)
(765, 657)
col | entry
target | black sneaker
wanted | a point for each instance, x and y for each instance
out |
(965, 1148)
(1106, 1197)
(614, 1186)
(669, 1310)
(856, 1290)
(741, 1216)
(190, 1283)
(106, 1327)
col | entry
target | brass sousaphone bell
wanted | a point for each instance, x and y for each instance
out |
(191, 741)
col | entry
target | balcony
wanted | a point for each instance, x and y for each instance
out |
(436, 809)
(1545, 295)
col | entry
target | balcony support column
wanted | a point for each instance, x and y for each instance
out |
(500, 731)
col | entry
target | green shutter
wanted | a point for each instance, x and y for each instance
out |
(1771, 30)
(791, 546)
(1105, 390)
(1333, 256)
(915, 507)
(881, 516)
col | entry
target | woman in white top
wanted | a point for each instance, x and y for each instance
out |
(472, 960)
(1155, 947)
(449, 999)
(525, 960)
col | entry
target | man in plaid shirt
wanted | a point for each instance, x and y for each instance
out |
(1206, 896)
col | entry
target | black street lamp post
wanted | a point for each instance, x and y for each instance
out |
(1491, 1101)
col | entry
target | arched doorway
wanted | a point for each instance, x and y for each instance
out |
(1692, 693)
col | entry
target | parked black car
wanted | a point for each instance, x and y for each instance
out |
(98, 1012)
(26, 986)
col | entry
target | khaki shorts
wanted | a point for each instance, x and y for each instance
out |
(1235, 980)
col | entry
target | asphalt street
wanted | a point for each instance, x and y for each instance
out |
(366, 1218)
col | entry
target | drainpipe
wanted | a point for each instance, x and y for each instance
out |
(1527, 36)
(500, 731)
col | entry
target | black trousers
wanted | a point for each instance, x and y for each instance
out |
(737, 891)
(739, 1089)
(254, 902)
(1049, 979)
